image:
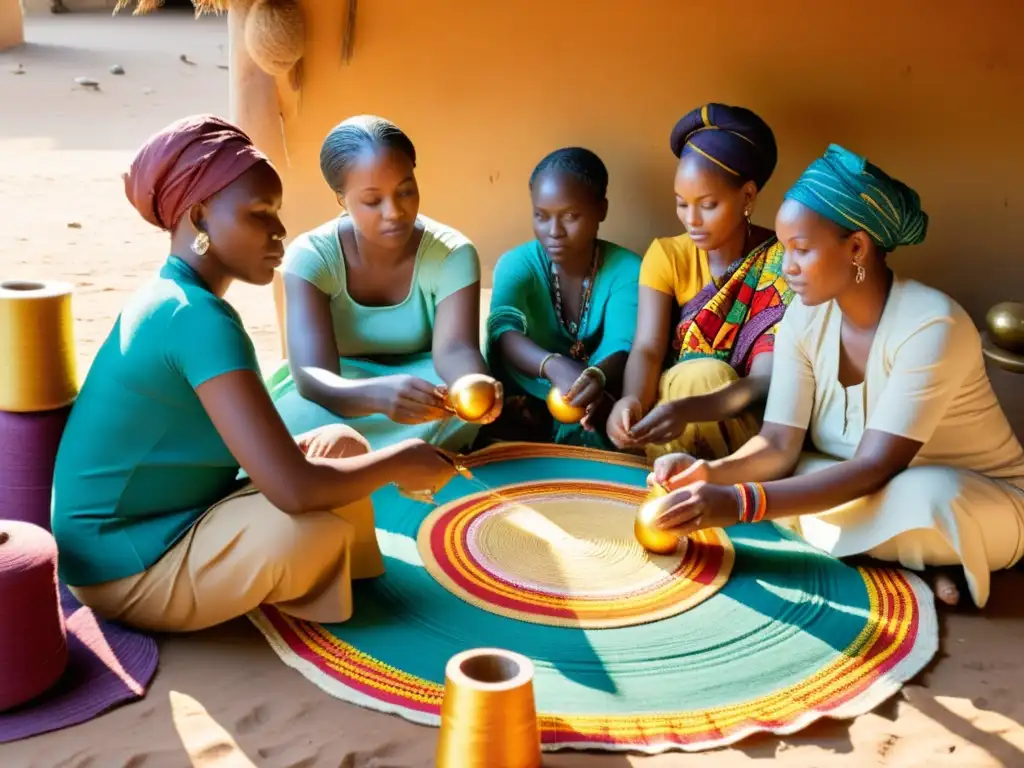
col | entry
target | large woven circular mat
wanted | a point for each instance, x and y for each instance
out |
(563, 553)
(791, 636)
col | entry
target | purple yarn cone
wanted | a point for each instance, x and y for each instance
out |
(28, 449)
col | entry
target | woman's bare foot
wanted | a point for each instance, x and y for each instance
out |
(946, 589)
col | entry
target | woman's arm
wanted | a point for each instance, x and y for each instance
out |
(456, 338)
(646, 358)
(246, 419)
(313, 354)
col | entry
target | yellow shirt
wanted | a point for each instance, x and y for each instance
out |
(674, 265)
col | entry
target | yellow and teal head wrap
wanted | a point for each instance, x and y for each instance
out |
(733, 138)
(847, 189)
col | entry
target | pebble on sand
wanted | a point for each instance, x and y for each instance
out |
(117, 69)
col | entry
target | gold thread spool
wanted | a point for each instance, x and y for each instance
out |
(562, 410)
(488, 716)
(472, 396)
(653, 539)
(37, 346)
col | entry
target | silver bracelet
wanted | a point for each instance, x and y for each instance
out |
(544, 363)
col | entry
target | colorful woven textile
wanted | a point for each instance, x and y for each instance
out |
(564, 553)
(793, 635)
(733, 319)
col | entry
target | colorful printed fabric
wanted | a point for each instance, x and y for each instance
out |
(792, 636)
(733, 319)
(847, 189)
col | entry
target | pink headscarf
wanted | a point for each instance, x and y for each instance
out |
(186, 163)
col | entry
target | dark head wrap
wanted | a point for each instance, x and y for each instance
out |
(186, 163)
(848, 190)
(733, 138)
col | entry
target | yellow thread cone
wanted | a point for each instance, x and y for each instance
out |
(488, 716)
(37, 346)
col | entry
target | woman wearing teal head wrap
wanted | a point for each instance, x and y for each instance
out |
(914, 459)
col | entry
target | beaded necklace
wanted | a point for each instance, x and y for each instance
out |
(576, 350)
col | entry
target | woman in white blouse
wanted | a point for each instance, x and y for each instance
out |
(916, 461)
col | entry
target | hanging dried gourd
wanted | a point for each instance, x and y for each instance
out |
(275, 35)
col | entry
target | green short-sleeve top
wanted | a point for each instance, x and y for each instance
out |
(140, 459)
(446, 262)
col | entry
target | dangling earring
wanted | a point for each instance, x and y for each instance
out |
(201, 244)
(861, 274)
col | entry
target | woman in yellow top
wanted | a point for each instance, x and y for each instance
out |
(710, 299)
(917, 462)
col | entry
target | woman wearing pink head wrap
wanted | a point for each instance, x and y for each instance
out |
(154, 527)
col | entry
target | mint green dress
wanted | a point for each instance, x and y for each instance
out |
(380, 341)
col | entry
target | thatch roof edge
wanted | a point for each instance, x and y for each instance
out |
(145, 6)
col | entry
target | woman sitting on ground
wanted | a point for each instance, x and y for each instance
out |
(382, 304)
(710, 299)
(152, 526)
(920, 465)
(563, 311)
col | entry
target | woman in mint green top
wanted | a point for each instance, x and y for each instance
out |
(563, 312)
(383, 304)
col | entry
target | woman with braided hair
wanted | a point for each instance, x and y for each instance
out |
(563, 311)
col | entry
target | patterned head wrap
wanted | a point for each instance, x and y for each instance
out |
(733, 138)
(186, 163)
(847, 189)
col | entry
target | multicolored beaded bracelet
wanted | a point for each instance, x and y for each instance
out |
(752, 500)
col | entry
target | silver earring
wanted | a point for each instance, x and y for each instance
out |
(201, 244)
(861, 274)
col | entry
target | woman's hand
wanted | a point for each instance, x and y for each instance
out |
(563, 372)
(499, 401)
(697, 506)
(663, 424)
(624, 414)
(674, 470)
(425, 470)
(408, 400)
(586, 391)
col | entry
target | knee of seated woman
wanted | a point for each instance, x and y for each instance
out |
(336, 441)
(928, 484)
(699, 376)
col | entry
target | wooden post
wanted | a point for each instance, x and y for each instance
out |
(12, 24)
(256, 109)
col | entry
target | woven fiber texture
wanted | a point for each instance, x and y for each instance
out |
(793, 635)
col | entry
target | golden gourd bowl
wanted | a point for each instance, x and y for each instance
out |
(654, 540)
(472, 396)
(1006, 326)
(562, 410)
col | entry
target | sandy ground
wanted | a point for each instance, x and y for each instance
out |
(221, 698)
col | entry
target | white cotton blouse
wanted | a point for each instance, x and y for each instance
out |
(925, 380)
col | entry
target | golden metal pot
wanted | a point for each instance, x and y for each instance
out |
(1006, 326)
(472, 396)
(653, 539)
(562, 410)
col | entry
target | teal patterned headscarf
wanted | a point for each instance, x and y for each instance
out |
(847, 189)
